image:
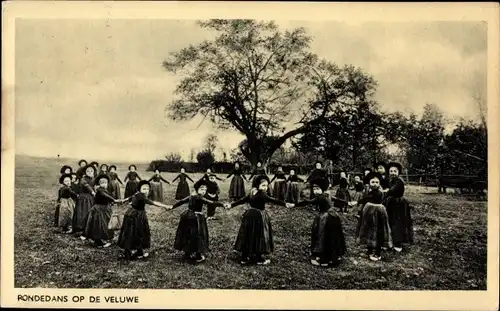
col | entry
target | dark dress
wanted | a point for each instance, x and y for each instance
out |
(373, 227)
(65, 207)
(292, 190)
(135, 233)
(156, 192)
(260, 171)
(279, 186)
(343, 194)
(133, 181)
(114, 185)
(327, 233)
(255, 236)
(183, 187)
(83, 204)
(315, 175)
(237, 186)
(99, 216)
(192, 233)
(399, 213)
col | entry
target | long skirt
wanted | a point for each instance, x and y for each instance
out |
(135, 233)
(82, 208)
(182, 191)
(327, 236)
(97, 224)
(66, 210)
(400, 220)
(292, 192)
(374, 229)
(192, 233)
(255, 236)
(156, 192)
(279, 190)
(114, 189)
(237, 188)
(343, 194)
(131, 188)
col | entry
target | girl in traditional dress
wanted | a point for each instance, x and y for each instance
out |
(133, 181)
(96, 166)
(260, 171)
(66, 203)
(114, 183)
(82, 164)
(85, 201)
(292, 189)
(75, 183)
(212, 194)
(183, 187)
(255, 237)
(103, 169)
(373, 229)
(237, 186)
(398, 209)
(156, 187)
(343, 194)
(192, 232)
(327, 234)
(317, 173)
(279, 186)
(100, 214)
(135, 235)
(66, 169)
(359, 190)
(381, 168)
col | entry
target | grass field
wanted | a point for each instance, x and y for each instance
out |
(449, 253)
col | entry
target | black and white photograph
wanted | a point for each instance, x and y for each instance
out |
(252, 154)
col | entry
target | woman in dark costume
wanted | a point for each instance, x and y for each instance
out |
(327, 234)
(66, 203)
(183, 187)
(237, 186)
(255, 236)
(82, 164)
(359, 190)
(258, 172)
(135, 235)
(133, 181)
(292, 189)
(373, 229)
(100, 214)
(279, 187)
(317, 173)
(114, 183)
(343, 194)
(103, 169)
(192, 233)
(66, 169)
(381, 168)
(85, 201)
(156, 187)
(398, 209)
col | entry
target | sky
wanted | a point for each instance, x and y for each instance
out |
(95, 88)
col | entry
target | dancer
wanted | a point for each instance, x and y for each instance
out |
(398, 209)
(66, 169)
(260, 171)
(279, 187)
(135, 235)
(103, 169)
(381, 168)
(359, 190)
(183, 187)
(65, 204)
(156, 187)
(212, 194)
(133, 181)
(292, 189)
(255, 237)
(100, 214)
(114, 183)
(373, 229)
(82, 164)
(237, 186)
(343, 194)
(327, 234)
(317, 173)
(192, 233)
(85, 201)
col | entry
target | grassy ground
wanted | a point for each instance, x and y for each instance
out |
(450, 249)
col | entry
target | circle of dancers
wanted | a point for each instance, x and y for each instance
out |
(86, 197)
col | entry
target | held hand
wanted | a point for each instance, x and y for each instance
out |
(227, 205)
(290, 205)
(352, 203)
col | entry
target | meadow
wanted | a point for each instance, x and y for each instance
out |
(449, 251)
